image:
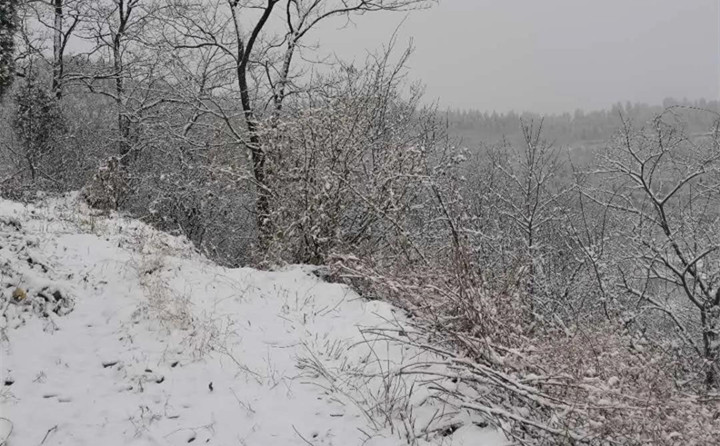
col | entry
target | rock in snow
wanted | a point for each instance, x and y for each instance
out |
(123, 335)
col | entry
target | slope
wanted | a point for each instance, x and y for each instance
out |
(114, 333)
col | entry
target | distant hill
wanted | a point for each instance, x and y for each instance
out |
(580, 128)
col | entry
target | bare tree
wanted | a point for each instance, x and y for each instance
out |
(670, 201)
(255, 62)
(62, 32)
(55, 21)
(118, 30)
(529, 195)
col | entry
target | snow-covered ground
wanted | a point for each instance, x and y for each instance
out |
(113, 333)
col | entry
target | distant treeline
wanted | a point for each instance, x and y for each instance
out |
(474, 127)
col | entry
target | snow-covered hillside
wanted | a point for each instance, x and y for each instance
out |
(116, 334)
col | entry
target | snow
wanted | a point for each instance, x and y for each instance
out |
(127, 336)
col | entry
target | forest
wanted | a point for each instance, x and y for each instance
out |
(579, 129)
(568, 265)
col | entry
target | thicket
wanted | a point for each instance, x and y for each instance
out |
(574, 295)
(8, 26)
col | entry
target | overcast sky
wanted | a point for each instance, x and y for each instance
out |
(551, 55)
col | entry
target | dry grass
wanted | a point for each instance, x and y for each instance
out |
(576, 385)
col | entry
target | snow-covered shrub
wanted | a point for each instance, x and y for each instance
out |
(610, 352)
(49, 144)
(38, 125)
(198, 192)
(109, 187)
(346, 169)
(588, 384)
(633, 390)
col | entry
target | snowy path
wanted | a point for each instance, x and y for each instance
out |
(164, 348)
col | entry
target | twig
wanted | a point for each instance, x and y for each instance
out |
(301, 437)
(52, 429)
(3, 442)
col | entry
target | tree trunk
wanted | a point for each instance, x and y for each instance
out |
(262, 201)
(123, 119)
(710, 318)
(57, 49)
(257, 153)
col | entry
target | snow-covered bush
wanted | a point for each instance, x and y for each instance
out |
(108, 189)
(49, 144)
(196, 191)
(347, 170)
(602, 344)
(38, 125)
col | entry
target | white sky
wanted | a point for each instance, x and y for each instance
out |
(551, 55)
